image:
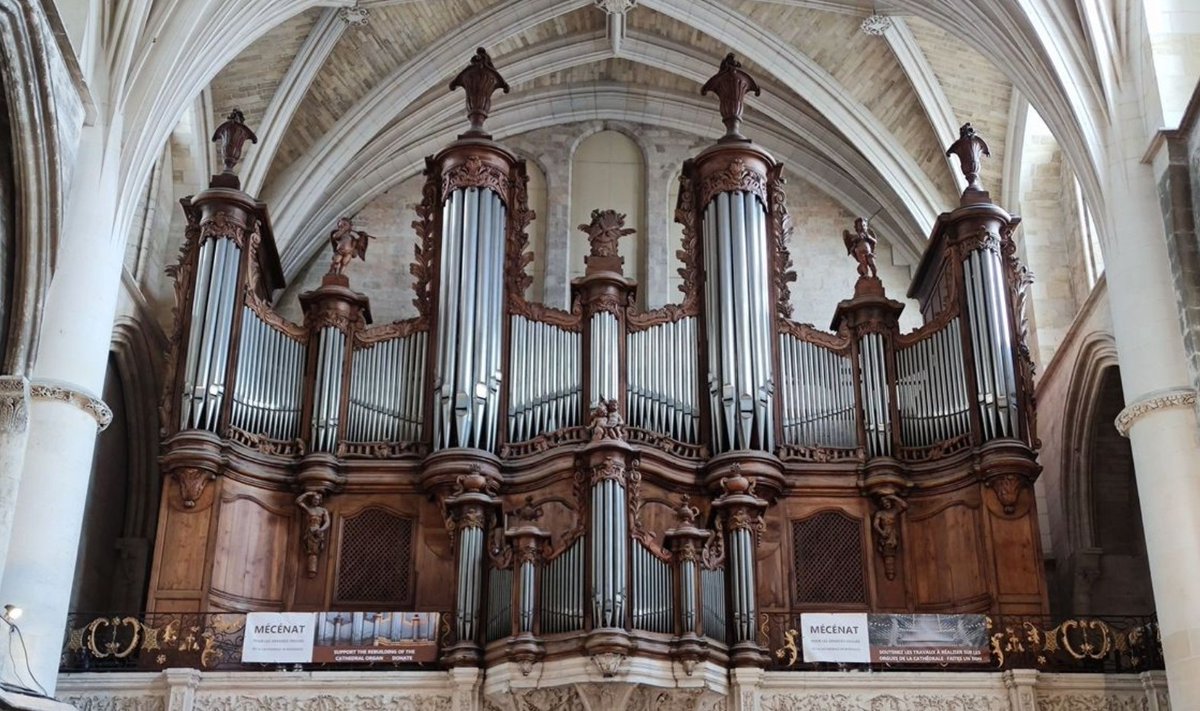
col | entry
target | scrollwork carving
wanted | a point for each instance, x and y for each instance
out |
(423, 267)
(735, 177)
(475, 172)
(517, 255)
(781, 233)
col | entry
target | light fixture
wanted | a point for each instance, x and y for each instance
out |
(12, 613)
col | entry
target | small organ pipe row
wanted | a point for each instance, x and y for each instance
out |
(739, 322)
(387, 391)
(327, 391)
(544, 379)
(609, 533)
(872, 369)
(470, 572)
(526, 610)
(270, 373)
(653, 591)
(469, 319)
(991, 343)
(562, 591)
(712, 600)
(605, 375)
(662, 372)
(208, 343)
(499, 604)
(931, 388)
(688, 597)
(741, 581)
(818, 395)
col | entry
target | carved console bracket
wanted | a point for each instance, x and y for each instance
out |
(45, 389)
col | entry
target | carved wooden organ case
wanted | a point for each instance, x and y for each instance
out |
(603, 479)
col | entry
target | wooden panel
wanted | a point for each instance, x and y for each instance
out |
(772, 562)
(945, 554)
(434, 575)
(252, 537)
(182, 540)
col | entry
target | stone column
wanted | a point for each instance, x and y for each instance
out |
(64, 415)
(660, 253)
(14, 431)
(1159, 418)
(556, 280)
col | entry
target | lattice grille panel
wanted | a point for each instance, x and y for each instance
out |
(375, 560)
(828, 559)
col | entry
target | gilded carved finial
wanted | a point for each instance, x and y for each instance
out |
(347, 243)
(730, 84)
(480, 80)
(860, 244)
(232, 136)
(970, 149)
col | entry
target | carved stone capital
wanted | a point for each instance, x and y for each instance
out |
(14, 404)
(44, 389)
(1160, 400)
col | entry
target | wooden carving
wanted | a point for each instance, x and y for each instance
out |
(192, 481)
(517, 255)
(860, 244)
(475, 172)
(480, 80)
(970, 149)
(607, 422)
(886, 525)
(604, 231)
(730, 84)
(181, 273)
(316, 528)
(781, 234)
(232, 135)
(1019, 278)
(347, 243)
(424, 268)
(735, 177)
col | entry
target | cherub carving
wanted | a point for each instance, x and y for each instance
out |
(886, 524)
(316, 527)
(605, 230)
(860, 244)
(347, 243)
(607, 422)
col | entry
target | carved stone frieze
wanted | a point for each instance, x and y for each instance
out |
(64, 392)
(1178, 397)
(323, 702)
(14, 404)
(1091, 702)
(870, 701)
(105, 702)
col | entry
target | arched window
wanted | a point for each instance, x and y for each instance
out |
(608, 171)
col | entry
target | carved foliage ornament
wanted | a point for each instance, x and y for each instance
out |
(181, 273)
(604, 231)
(192, 481)
(14, 404)
(611, 468)
(735, 177)
(475, 172)
(425, 250)
(63, 392)
(1008, 490)
(1181, 397)
(517, 255)
(781, 232)
(1019, 279)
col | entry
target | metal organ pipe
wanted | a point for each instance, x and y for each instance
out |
(739, 320)
(469, 319)
(545, 379)
(215, 292)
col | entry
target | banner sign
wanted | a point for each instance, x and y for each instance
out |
(858, 637)
(340, 637)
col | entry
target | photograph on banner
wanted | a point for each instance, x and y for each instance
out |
(364, 637)
(861, 638)
(929, 639)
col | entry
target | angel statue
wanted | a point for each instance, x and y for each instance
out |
(347, 243)
(860, 244)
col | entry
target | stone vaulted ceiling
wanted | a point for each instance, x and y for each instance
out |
(347, 108)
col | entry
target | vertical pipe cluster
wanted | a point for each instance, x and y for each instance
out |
(327, 389)
(609, 542)
(872, 368)
(653, 592)
(469, 319)
(387, 390)
(470, 570)
(544, 379)
(931, 388)
(712, 599)
(499, 604)
(270, 377)
(562, 591)
(991, 343)
(742, 597)
(662, 374)
(526, 611)
(738, 319)
(818, 395)
(208, 341)
(604, 377)
(689, 598)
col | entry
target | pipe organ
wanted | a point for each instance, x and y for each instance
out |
(601, 480)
